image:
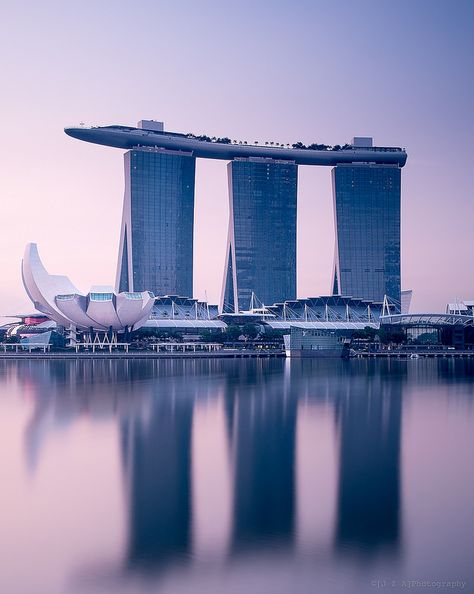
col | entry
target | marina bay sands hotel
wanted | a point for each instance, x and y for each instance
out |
(156, 244)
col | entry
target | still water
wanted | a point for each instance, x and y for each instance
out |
(252, 477)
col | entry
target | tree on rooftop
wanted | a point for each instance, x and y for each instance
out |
(232, 332)
(250, 331)
(210, 336)
(367, 333)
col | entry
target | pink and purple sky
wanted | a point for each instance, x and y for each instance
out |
(320, 71)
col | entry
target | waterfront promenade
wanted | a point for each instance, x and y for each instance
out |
(20, 354)
(418, 354)
(106, 354)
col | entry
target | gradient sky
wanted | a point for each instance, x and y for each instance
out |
(402, 72)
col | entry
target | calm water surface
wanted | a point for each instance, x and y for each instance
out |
(248, 477)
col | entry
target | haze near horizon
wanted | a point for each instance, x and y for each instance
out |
(307, 71)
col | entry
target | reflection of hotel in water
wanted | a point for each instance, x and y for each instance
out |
(369, 428)
(241, 459)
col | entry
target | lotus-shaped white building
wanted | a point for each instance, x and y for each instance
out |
(101, 309)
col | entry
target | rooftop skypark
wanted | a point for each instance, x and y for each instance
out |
(151, 134)
(225, 140)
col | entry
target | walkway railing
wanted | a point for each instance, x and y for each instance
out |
(18, 347)
(93, 346)
(171, 347)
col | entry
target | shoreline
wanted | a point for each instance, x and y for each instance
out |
(241, 354)
(142, 355)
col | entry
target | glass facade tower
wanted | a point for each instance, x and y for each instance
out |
(156, 243)
(261, 247)
(367, 222)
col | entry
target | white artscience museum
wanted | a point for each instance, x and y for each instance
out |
(102, 309)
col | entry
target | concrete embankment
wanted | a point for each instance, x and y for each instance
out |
(54, 356)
